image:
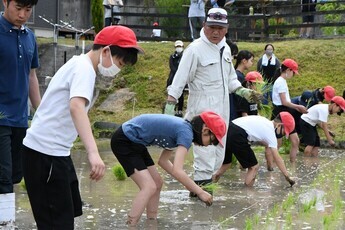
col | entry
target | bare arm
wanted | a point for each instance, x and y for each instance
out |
(299, 108)
(324, 127)
(34, 91)
(176, 170)
(82, 124)
(220, 172)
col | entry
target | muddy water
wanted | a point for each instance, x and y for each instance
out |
(108, 201)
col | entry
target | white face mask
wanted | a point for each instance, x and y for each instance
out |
(179, 50)
(108, 71)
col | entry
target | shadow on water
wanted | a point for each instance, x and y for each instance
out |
(108, 201)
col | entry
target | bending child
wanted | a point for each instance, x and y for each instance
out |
(129, 146)
(256, 129)
(318, 114)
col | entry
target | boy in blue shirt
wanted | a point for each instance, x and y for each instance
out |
(129, 146)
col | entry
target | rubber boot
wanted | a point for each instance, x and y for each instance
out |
(201, 183)
(7, 210)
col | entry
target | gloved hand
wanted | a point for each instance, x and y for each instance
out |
(249, 94)
(169, 108)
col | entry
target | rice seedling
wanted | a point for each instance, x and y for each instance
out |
(119, 172)
(211, 187)
(249, 224)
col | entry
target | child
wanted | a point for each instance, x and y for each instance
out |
(318, 114)
(259, 129)
(282, 102)
(310, 98)
(245, 108)
(129, 146)
(49, 173)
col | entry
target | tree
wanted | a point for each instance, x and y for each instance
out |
(97, 14)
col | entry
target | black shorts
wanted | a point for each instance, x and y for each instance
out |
(53, 191)
(130, 155)
(308, 18)
(237, 143)
(309, 134)
(294, 113)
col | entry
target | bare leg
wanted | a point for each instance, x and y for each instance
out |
(147, 188)
(269, 159)
(152, 206)
(251, 175)
(315, 152)
(308, 150)
(294, 146)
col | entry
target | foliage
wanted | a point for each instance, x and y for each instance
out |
(119, 172)
(172, 7)
(97, 14)
(340, 30)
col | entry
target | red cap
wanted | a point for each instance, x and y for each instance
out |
(329, 92)
(291, 64)
(117, 35)
(155, 24)
(288, 122)
(254, 76)
(339, 101)
(216, 124)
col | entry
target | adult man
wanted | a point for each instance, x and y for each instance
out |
(259, 129)
(18, 82)
(207, 69)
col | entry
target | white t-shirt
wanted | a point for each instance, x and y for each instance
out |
(258, 128)
(52, 131)
(316, 114)
(280, 86)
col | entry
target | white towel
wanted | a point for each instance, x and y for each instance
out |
(265, 60)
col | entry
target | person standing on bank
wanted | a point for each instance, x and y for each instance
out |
(206, 66)
(282, 102)
(267, 66)
(174, 61)
(307, 6)
(111, 8)
(49, 173)
(129, 146)
(18, 82)
(196, 15)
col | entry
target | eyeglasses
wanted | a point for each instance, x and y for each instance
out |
(218, 16)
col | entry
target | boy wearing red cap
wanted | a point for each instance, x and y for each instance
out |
(256, 129)
(282, 102)
(318, 115)
(49, 173)
(129, 146)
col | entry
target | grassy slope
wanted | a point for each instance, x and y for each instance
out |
(321, 62)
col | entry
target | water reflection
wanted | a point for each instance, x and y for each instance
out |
(108, 201)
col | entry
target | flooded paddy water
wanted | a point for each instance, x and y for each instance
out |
(315, 202)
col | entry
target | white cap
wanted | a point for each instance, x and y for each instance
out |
(217, 17)
(179, 43)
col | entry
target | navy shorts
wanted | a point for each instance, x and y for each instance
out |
(309, 134)
(308, 18)
(237, 143)
(130, 155)
(53, 189)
